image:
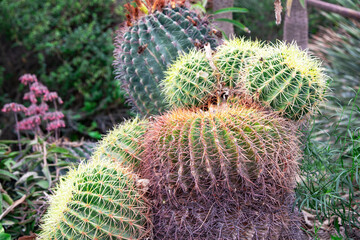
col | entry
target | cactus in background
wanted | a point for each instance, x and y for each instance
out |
(157, 32)
(232, 59)
(98, 200)
(287, 80)
(190, 81)
(233, 146)
(123, 143)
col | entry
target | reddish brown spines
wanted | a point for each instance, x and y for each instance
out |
(226, 173)
(229, 147)
(150, 6)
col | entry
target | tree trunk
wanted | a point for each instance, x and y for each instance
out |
(228, 28)
(296, 25)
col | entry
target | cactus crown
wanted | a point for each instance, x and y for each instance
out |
(232, 59)
(98, 200)
(143, 8)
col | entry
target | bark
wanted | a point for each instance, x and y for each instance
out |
(345, 12)
(228, 28)
(296, 25)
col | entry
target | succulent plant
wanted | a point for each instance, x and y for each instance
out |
(226, 146)
(287, 80)
(233, 57)
(123, 143)
(221, 173)
(98, 200)
(189, 81)
(157, 32)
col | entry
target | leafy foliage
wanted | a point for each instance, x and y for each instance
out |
(27, 178)
(67, 44)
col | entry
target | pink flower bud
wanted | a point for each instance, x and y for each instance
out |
(39, 89)
(29, 123)
(13, 107)
(53, 116)
(28, 78)
(50, 96)
(55, 125)
(30, 96)
(37, 109)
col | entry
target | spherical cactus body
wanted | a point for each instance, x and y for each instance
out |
(228, 146)
(98, 200)
(189, 81)
(123, 143)
(288, 80)
(233, 57)
(153, 40)
(221, 173)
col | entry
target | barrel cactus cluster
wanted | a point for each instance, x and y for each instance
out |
(214, 151)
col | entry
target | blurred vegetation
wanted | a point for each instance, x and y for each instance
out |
(67, 44)
(339, 47)
(27, 178)
(330, 187)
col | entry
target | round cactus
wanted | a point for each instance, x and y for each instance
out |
(157, 32)
(189, 81)
(232, 59)
(98, 200)
(230, 146)
(123, 143)
(287, 80)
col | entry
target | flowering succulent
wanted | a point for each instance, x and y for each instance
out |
(36, 113)
(28, 78)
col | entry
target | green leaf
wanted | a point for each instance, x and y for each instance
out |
(7, 175)
(235, 23)
(58, 150)
(95, 134)
(302, 2)
(26, 176)
(5, 236)
(43, 184)
(47, 174)
(231, 9)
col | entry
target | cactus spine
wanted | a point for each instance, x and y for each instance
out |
(233, 57)
(190, 81)
(97, 200)
(233, 146)
(150, 44)
(123, 143)
(287, 80)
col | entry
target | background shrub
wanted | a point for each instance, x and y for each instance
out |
(69, 46)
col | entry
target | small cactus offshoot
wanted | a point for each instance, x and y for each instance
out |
(288, 80)
(98, 200)
(190, 81)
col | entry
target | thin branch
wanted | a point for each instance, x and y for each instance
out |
(343, 11)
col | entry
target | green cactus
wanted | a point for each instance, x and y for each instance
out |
(155, 38)
(232, 59)
(123, 143)
(98, 200)
(232, 146)
(190, 81)
(287, 80)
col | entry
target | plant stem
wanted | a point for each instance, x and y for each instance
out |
(17, 131)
